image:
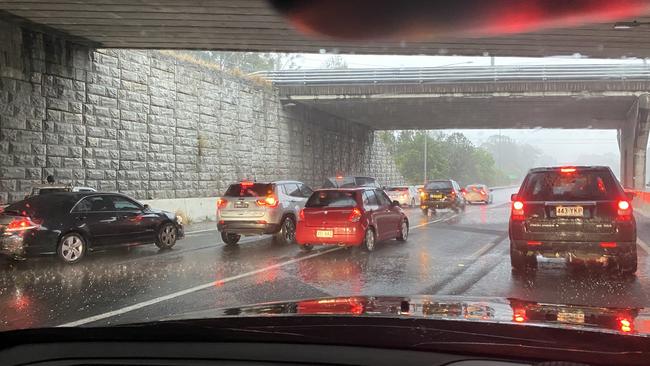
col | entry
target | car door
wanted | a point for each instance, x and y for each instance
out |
(386, 214)
(132, 225)
(96, 216)
(293, 196)
(371, 207)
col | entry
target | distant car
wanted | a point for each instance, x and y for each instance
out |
(350, 217)
(69, 224)
(350, 182)
(441, 194)
(405, 195)
(255, 208)
(578, 213)
(54, 188)
(478, 193)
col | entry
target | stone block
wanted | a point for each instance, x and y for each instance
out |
(12, 172)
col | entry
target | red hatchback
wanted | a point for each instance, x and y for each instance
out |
(351, 217)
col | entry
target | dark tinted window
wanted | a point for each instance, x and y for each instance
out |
(39, 206)
(94, 204)
(366, 181)
(369, 200)
(124, 204)
(249, 190)
(398, 189)
(578, 186)
(332, 199)
(444, 184)
(382, 198)
(305, 191)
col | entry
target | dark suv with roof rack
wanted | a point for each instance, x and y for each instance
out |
(578, 213)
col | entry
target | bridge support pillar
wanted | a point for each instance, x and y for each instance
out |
(633, 144)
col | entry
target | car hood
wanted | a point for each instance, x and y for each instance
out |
(485, 310)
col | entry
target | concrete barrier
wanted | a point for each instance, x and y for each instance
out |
(197, 209)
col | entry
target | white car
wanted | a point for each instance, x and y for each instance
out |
(405, 195)
(478, 193)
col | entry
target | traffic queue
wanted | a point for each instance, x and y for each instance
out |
(70, 222)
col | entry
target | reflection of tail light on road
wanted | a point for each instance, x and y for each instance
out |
(351, 305)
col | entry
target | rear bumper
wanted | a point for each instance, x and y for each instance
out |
(578, 249)
(476, 198)
(247, 227)
(348, 236)
(437, 204)
(12, 245)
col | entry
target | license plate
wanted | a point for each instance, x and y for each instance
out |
(573, 317)
(571, 211)
(241, 204)
(436, 196)
(324, 233)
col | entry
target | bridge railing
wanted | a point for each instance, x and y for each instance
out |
(458, 74)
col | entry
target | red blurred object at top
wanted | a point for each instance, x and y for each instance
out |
(568, 170)
(351, 306)
(416, 19)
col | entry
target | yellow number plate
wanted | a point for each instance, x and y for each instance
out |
(571, 317)
(324, 233)
(572, 211)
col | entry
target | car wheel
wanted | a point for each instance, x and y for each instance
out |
(167, 236)
(521, 261)
(287, 234)
(230, 238)
(627, 263)
(404, 231)
(369, 240)
(72, 247)
(306, 247)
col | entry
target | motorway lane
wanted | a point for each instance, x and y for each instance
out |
(465, 254)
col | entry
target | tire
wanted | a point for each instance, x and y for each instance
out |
(306, 247)
(403, 232)
(287, 233)
(167, 236)
(71, 248)
(369, 241)
(230, 238)
(520, 261)
(627, 264)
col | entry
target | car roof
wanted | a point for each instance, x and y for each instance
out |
(354, 189)
(351, 176)
(578, 167)
(286, 181)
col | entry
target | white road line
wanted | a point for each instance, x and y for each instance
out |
(199, 231)
(190, 290)
(643, 245)
(485, 248)
(434, 221)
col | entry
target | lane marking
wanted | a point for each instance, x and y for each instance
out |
(190, 290)
(199, 231)
(498, 240)
(204, 286)
(643, 245)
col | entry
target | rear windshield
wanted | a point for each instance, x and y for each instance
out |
(438, 185)
(332, 199)
(249, 190)
(50, 190)
(397, 189)
(365, 181)
(588, 185)
(345, 182)
(40, 206)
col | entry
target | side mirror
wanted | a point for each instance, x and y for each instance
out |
(395, 203)
(513, 197)
(146, 207)
(630, 195)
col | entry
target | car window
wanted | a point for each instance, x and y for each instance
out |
(369, 200)
(249, 190)
(397, 189)
(366, 181)
(124, 204)
(94, 204)
(578, 186)
(382, 198)
(332, 199)
(305, 191)
(292, 190)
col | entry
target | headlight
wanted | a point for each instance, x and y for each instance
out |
(179, 220)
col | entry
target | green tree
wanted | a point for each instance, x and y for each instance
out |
(511, 158)
(250, 61)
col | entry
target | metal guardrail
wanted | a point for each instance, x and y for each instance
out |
(458, 74)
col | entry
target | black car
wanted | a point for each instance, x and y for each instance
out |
(72, 223)
(441, 194)
(578, 213)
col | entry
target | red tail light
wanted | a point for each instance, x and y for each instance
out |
(625, 325)
(518, 210)
(268, 201)
(519, 315)
(247, 184)
(483, 193)
(534, 243)
(221, 203)
(21, 224)
(301, 215)
(624, 210)
(568, 170)
(608, 245)
(355, 215)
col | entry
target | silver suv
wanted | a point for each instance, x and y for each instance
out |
(253, 208)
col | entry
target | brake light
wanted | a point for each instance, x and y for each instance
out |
(608, 245)
(355, 215)
(518, 210)
(21, 224)
(268, 201)
(567, 170)
(623, 205)
(534, 243)
(301, 215)
(221, 203)
(624, 210)
(483, 193)
(246, 184)
(519, 315)
(423, 194)
(625, 325)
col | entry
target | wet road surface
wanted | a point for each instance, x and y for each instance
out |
(462, 254)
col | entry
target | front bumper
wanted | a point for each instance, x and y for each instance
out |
(247, 227)
(180, 231)
(12, 245)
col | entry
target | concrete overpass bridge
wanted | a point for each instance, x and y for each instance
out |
(555, 96)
